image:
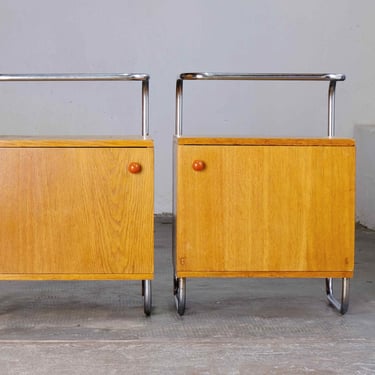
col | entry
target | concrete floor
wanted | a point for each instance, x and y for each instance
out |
(239, 326)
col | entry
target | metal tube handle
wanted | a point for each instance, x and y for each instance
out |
(207, 76)
(144, 78)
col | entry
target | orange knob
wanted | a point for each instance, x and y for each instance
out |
(199, 165)
(134, 167)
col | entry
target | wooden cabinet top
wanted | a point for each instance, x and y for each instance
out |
(239, 141)
(79, 141)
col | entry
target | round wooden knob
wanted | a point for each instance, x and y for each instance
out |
(134, 167)
(199, 165)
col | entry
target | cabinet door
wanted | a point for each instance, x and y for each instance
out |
(265, 209)
(76, 211)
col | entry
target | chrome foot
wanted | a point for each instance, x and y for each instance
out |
(342, 306)
(180, 294)
(147, 296)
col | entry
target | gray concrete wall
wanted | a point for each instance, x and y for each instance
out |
(167, 37)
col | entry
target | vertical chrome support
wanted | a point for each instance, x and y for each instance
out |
(342, 306)
(345, 295)
(180, 294)
(331, 109)
(147, 297)
(179, 283)
(179, 88)
(145, 108)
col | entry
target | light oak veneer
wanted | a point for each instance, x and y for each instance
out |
(71, 209)
(264, 207)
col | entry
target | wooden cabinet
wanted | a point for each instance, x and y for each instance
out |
(263, 207)
(249, 207)
(76, 209)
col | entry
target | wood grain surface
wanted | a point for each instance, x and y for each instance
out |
(84, 141)
(274, 210)
(75, 211)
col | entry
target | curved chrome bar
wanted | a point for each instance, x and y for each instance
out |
(76, 77)
(209, 76)
(263, 76)
(144, 78)
(342, 306)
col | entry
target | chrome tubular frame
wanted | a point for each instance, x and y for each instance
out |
(331, 109)
(206, 76)
(147, 296)
(144, 78)
(331, 77)
(180, 294)
(179, 108)
(342, 306)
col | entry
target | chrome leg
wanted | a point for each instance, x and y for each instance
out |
(180, 294)
(147, 296)
(342, 306)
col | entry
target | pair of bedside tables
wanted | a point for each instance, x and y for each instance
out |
(83, 208)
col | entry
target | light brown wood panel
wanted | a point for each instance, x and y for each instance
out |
(230, 141)
(266, 274)
(63, 141)
(265, 209)
(76, 276)
(76, 211)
